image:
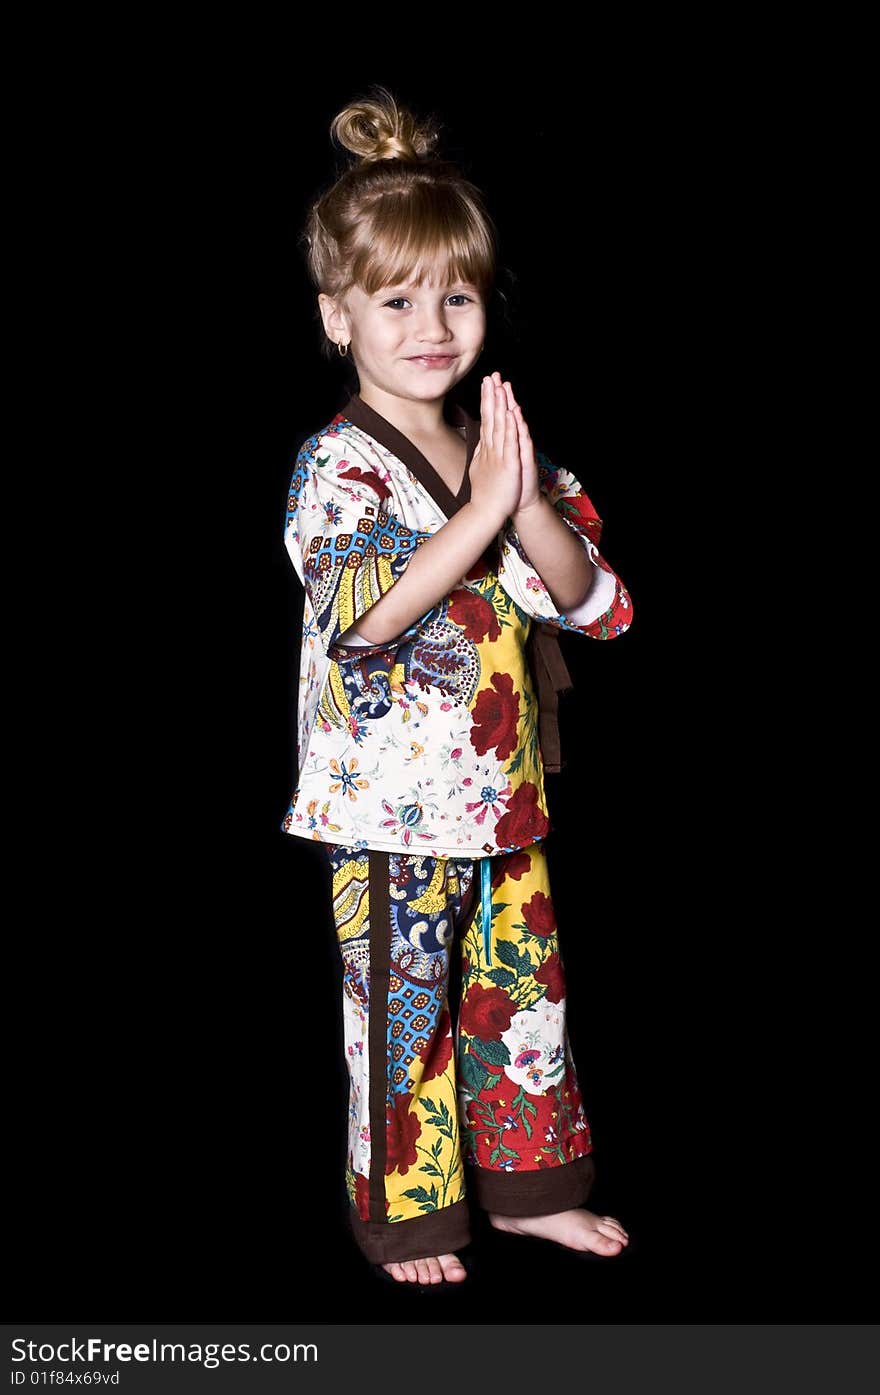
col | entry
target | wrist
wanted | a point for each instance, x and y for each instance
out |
(485, 518)
(529, 510)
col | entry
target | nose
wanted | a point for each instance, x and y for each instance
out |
(432, 329)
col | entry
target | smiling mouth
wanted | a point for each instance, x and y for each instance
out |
(431, 358)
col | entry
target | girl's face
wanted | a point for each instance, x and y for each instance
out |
(408, 340)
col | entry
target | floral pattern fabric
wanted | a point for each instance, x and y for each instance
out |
(494, 1093)
(430, 742)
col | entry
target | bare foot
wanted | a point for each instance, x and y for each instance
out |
(428, 1271)
(578, 1229)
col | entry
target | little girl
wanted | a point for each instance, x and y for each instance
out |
(440, 558)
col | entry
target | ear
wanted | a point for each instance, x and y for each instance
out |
(336, 325)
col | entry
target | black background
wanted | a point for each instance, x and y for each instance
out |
(180, 1094)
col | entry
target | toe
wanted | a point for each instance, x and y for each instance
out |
(435, 1273)
(611, 1245)
(409, 1269)
(396, 1272)
(612, 1230)
(610, 1220)
(423, 1271)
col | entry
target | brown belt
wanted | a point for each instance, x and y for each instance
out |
(551, 678)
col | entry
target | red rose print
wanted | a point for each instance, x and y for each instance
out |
(362, 1195)
(477, 571)
(402, 1131)
(439, 1050)
(524, 822)
(550, 974)
(475, 615)
(368, 477)
(495, 714)
(580, 504)
(486, 1012)
(539, 915)
(515, 865)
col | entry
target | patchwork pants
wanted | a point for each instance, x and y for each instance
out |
(488, 1109)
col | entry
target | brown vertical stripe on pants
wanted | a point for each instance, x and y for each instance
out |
(380, 976)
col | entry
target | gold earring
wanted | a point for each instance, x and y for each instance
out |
(343, 350)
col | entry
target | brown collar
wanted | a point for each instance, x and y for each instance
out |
(368, 419)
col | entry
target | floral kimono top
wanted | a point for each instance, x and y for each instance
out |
(430, 741)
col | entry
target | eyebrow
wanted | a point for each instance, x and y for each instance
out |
(411, 286)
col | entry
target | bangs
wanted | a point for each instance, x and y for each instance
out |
(412, 239)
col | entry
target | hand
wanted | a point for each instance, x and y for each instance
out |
(496, 469)
(530, 491)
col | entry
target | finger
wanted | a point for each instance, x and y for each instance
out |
(500, 414)
(497, 419)
(521, 427)
(525, 439)
(511, 445)
(487, 410)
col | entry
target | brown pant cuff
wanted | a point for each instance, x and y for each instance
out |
(434, 1233)
(537, 1193)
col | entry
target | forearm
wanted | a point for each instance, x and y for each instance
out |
(556, 553)
(431, 573)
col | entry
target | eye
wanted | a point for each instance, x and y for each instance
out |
(399, 299)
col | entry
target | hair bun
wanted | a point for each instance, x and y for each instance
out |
(376, 128)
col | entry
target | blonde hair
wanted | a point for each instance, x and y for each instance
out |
(396, 211)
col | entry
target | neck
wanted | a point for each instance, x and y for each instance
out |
(413, 416)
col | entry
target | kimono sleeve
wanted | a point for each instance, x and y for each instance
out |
(347, 547)
(607, 609)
